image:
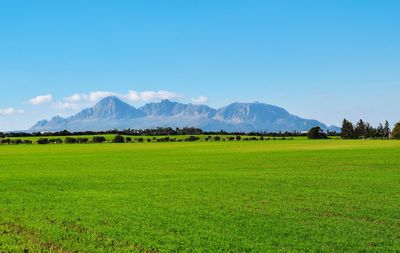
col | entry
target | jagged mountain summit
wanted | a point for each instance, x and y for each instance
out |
(110, 108)
(112, 113)
(168, 108)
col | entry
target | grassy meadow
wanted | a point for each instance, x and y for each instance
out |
(261, 196)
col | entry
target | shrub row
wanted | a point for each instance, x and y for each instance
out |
(71, 140)
(15, 141)
(121, 139)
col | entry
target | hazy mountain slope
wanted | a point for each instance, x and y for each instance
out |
(111, 112)
(168, 108)
(109, 108)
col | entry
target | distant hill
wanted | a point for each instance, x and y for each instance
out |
(111, 112)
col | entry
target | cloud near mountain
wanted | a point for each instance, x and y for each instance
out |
(111, 112)
(132, 96)
(82, 100)
(41, 99)
(10, 111)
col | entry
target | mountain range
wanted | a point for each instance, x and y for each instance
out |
(113, 113)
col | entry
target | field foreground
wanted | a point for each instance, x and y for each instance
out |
(273, 196)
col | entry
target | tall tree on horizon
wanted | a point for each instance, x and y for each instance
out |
(347, 130)
(386, 130)
(361, 129)
(371, 132)
(396, 131)
(379, 131)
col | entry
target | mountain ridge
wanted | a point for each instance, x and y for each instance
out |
(113, 113)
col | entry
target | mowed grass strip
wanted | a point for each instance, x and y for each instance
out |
(328, 196)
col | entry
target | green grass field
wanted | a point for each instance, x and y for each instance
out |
(272, 196)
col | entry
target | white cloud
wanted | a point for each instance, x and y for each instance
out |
(75, 98)
(66, 105)
(97, 95)
(79, 101)
(151, 95)
(200, 100)
(131, 96)
(10, 111)
(41, 99)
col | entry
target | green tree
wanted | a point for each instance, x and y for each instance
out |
(119, 139)
(5, 141)
(361, 129)
(82, 140)
(316, 133)
(386, 130)
(379, 131)
(192, 138)
(217, 138)
(348, 130)
(42, 141)
(396, 131)
(98, 139)
(371, 132)
(70, 140)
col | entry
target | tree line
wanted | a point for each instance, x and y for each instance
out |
(160, 131)
(360, 130)
(133, 132)
(128, 139)
(364, 130)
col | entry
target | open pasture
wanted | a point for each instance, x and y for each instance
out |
(271, 196)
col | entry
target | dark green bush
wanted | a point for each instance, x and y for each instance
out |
(118, 139)
(316, 133)
(55, 141)
(5, 141)
(16, 141)
(70, 140)
(82, 140)
(42, 141)
(192, 138)
(98, 139)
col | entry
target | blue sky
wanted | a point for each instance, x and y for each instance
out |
(318, 59)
